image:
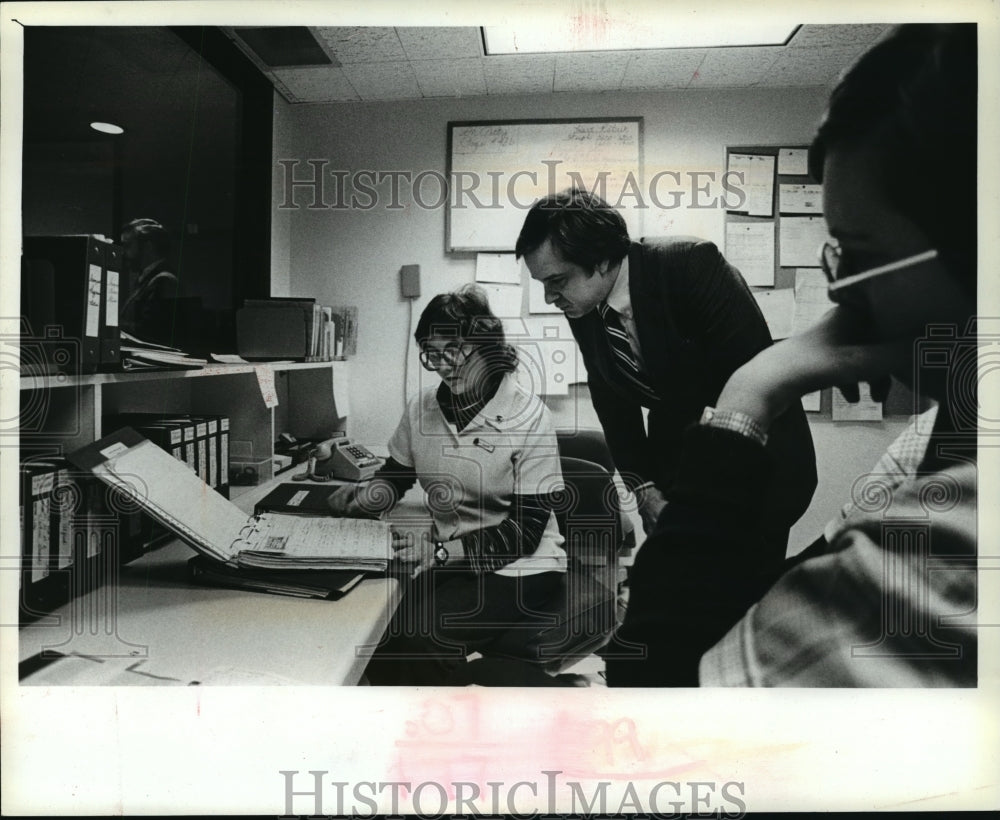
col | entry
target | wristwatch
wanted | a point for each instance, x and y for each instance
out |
(440, 553)
(736, 422)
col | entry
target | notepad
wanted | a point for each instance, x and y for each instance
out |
(170, 492)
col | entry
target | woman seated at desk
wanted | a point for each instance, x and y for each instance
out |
(484, 449)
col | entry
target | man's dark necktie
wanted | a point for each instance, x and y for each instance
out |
(626, 360)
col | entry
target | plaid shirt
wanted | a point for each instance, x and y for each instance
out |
(889, 603)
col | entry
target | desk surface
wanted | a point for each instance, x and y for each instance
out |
(153, 627)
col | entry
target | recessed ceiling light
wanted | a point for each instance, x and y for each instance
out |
(617, 34)
(107, 128)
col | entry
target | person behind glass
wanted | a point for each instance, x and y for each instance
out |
(144, 313)
(661, 324)
(484, 450)
(864, 605)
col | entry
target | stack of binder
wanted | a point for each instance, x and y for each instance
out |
(70, 538)
(200, 441)
(70, 289)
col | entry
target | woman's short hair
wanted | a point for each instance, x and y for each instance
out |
(465, 314)
(585, 229)
(913, 96)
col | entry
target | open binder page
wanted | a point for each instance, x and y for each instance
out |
(316, 541)
(167, 489)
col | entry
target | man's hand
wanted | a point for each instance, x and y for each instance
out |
(651, 503)
(835, 352)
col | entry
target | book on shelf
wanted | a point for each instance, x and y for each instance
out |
(215, 527)
(138, 354)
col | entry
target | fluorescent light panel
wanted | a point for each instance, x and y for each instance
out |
(597, 34)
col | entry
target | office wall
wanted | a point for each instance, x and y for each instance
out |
(281, 220)
(345, 255)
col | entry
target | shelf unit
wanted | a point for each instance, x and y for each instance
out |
(60, 413)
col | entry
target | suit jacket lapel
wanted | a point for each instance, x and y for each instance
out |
(651, 316)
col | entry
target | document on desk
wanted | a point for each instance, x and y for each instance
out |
(174, 495)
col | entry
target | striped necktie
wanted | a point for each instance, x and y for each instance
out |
(625, 358)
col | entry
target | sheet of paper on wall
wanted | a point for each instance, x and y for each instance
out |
(793, 161)
(536, 298)
(800, 239)
(811, 298)
(498, 267)
(554, 326)
(778, 307)
(505, 300)
(758, 182)
(750, 247)
(800, 199)
(265, 380)
(864, 410)
(341, 378)
(551, 354)
(811, 401)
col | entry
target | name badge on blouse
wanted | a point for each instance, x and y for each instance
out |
(484, 445)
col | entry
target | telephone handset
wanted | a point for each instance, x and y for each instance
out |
(339, 458)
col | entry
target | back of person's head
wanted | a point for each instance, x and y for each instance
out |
(465, 315)
(147, 230)
(584, 228)
(913, 97)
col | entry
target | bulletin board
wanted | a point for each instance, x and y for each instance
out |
(497, 169)
(773, 237)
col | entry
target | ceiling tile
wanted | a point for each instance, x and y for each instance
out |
(321, 84)
(669, 68)
(837, 35)
(383, 81)
(734, 67)
(362, 44)
(809, 66)
(434, 43)
(519, 73)
(450, 78)
(590, 72)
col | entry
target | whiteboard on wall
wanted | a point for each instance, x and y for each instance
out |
(497, 169)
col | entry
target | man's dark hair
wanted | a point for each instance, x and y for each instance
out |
(584, 228)
(148, 230)
(465, 314)
(913, 96)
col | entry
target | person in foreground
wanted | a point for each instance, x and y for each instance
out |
(484, 449)
(888, 597)
(661, 324)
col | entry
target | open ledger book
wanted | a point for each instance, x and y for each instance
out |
(170, 492)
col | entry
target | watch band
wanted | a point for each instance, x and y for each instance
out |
(440, 553)
(736, 422)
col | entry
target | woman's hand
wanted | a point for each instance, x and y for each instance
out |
(835, 352)
(344, 502)
(415, 549)
(367, 500)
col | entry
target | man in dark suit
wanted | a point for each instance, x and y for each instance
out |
(661, 324)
